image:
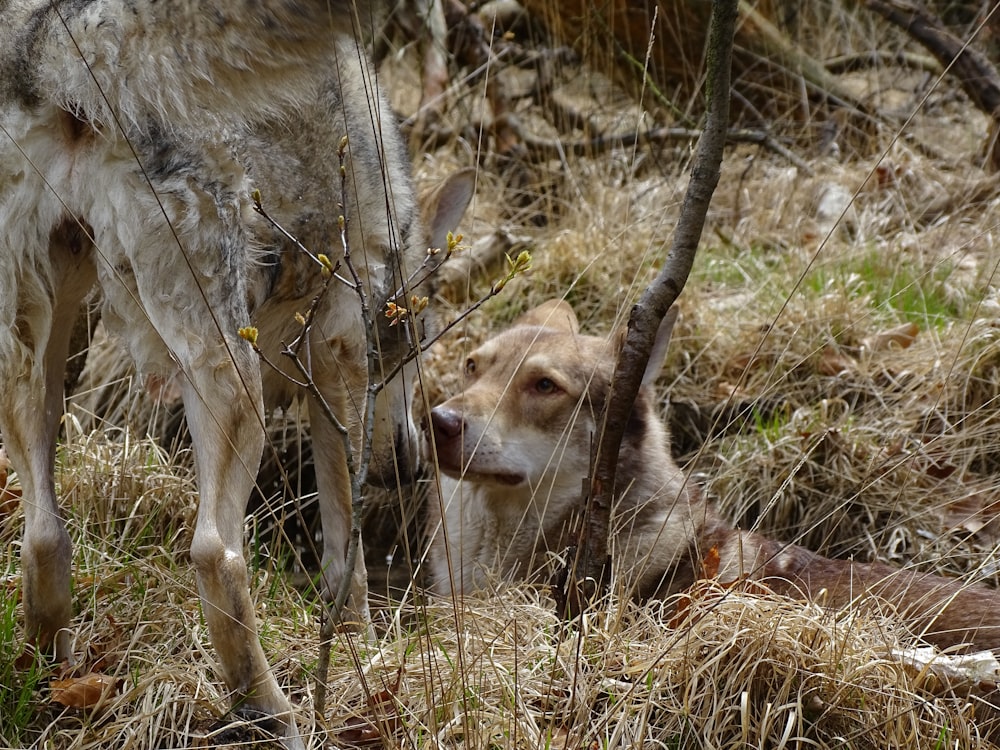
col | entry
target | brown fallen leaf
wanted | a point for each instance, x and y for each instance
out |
(710, 565)
(27, 659)
(833, 362)
(709, 570)
(84, 692)
(359, 732)
(383, 720)
(978, 513)
(899, 337)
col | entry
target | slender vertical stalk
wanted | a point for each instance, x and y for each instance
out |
(589, 568)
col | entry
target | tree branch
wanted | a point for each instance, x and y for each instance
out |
(647, 314)
(971, 68)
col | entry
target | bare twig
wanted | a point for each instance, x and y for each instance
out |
(516, 265)
(550, 148)
(599, 492)
(974, 72)
(971, 68)
(259, 208)
(875, 58)
(454, 278)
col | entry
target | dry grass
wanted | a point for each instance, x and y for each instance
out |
(785, 404)
(737, 668)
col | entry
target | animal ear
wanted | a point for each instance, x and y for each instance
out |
(556, 313)
(659, 353)
(443, 206)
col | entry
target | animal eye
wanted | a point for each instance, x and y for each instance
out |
(470, 366)
(546, 385)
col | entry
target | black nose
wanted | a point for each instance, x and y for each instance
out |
(448, 423)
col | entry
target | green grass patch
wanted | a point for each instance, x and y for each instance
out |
(897, 287)
(18, 687)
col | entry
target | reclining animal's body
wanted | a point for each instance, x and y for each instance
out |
(514, 446)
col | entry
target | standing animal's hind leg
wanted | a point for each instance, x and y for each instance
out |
(223, 416)
(222, 401)
(30, 410)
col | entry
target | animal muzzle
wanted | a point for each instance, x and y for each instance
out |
(398, 466)
(446, 430)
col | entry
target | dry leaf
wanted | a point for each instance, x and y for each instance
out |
(84, 692)
(979, 670)
(680, 614)
(937, 469)
(833, 362)
(709, 570)
(977, 514)
(27, 659)
(361, 731)
(710, 565)
(386, 697)
(886, 175)
(899, 337)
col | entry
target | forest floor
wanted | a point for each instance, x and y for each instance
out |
(832, 381)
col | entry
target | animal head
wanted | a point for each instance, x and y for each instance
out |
(395, 441)
(527, 417)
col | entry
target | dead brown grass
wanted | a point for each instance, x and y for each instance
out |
(786, 402)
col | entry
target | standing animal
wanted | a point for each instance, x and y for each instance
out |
(133, 135)
(514, 447)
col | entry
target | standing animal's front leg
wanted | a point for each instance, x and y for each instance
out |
(335, 496)
(29, 429)
(223, 416)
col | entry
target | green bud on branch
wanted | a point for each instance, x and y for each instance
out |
(249, 334)
(515, 266)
